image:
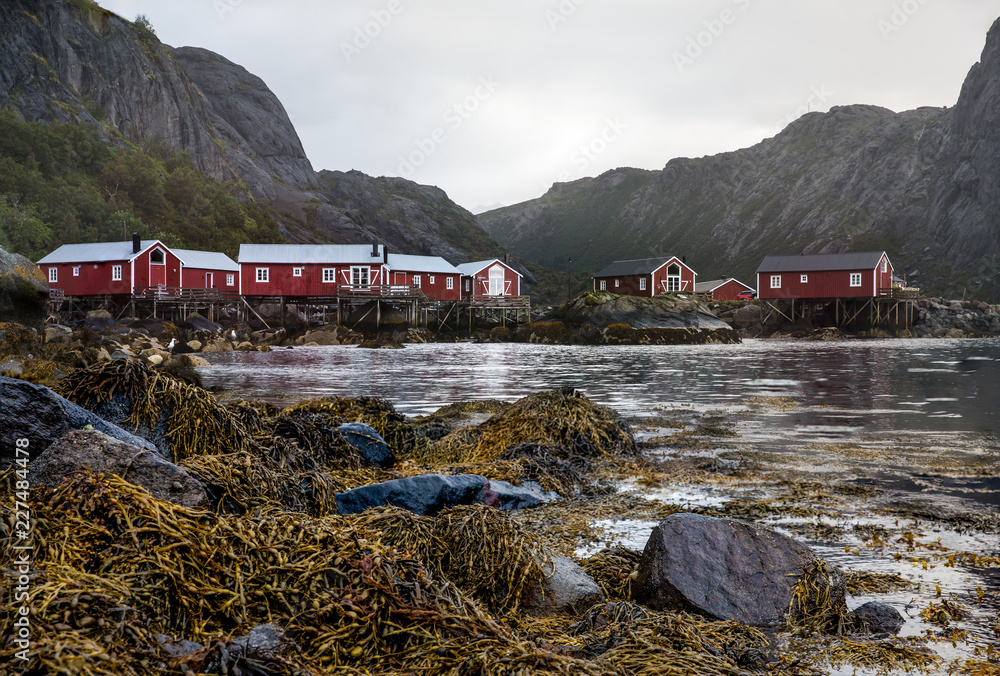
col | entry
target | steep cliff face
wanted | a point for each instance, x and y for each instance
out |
(923, 184)
(72, 61)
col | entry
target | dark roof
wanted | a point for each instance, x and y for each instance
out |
(643, 266)
(820, 262)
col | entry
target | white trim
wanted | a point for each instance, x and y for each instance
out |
(859, 276)
(230, 279)
(53, 275)
(803, 279)
(76, 270)
(329, 275)
(264, 278)
(131, 271)
(297, 271)
(449, 283)
(642, 283)
(417, 281)
(115, 268)
(775, 278)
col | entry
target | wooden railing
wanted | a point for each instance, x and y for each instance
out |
(379, 291)
(183, 295)
(900, 293)
(500, 301)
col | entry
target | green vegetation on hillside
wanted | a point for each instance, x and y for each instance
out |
(62, 184)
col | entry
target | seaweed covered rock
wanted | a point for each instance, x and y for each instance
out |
(18, 339)
(99, 453)
(427, 494)
(24, 291)
(368, 443)
(562, 417)
(566, 588)
(721, 568)
(40, 415)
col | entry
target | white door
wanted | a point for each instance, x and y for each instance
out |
(496, 280)
(209, 280)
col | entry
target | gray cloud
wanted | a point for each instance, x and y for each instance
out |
(373, 84)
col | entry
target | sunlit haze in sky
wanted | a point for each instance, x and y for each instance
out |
(494, 101)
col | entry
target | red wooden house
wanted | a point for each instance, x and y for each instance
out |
(208, 270)
(825, 276)
(489, 278)
(437, 278)
(111, 268)
(646, 277)
(300, 270)
(722, 289)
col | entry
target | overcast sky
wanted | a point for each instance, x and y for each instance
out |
(494, 100)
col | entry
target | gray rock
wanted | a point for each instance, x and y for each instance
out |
(369, 443)
(324, 336)
(99, 453)
(510, 497)
(566, 588)
(661, 312)
(265, 641)
(99, 321)
(720, 568)
(24, 290)
(56, 333)
(878, 618)
(42, 416)
(427, 494)
(12, 368)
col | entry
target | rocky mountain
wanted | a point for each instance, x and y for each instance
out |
(922, 184)
(71, 61)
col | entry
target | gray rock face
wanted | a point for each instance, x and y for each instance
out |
(878, 618)
(98, 452)
(721, 568)
(42, 416)
(24, 291)
(924, 184)
(369, 443)
(567, 587)
(661, 312)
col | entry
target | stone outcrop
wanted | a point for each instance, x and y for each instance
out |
(566, 588)
(924, 184)
(99, 453)
(723, 569)
(24, 291)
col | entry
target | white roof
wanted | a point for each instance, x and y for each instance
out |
(206, 260)
(431, 264)
(309, 253)
(97, 252)
(470, 269)
(707, 287)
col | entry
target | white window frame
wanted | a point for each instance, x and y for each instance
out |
(674, 273)
(263, 275)
(76, 270)
(416, 280)
(430, 279)
(449, 283)
(804, 279)
(604, 285)
(296, 272)
(329, 275)
(642, 283)
(116, 273)
(231, 279)
(775, 281)
(855, 279)
(885, 266)
(356, 276)
(53, 275)
(617, 283)
(157, 251)
(468, 285)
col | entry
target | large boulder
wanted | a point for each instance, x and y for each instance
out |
(99, 321)
(41, 416)
(24, 291)
(369, 443)
(96, 451)
(566, 588)
(327, 335)
(428, 494)
(723, 569)
(875, 617)
(195, 323)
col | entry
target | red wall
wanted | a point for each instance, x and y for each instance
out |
(687, 278)
(481, 282)
(628, 285)
(438, 290)
(283, 283)
(729, 290)
(827, 284)
(195, 278)
(94, 279)
(147, 274)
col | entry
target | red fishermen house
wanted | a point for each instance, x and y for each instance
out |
(111, 268)
(299, 270)
(722, 289)
(489, 278)
(845, 275)
(437, 278)
(646, 277)
(208, 270)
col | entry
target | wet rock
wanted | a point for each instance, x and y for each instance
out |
(877, 618)
(746, 317)
(217, 346)
(56, 333)
(269, 337)
(12, 368)
(177, 648)
(328, 335)
(426, 495)
(368, 443)
(566, 588)
(99, 321)
(96, 451)
(265, 641)
(160, 355)
(193, 346)
(720, 568)
(24, 291)
(246, 346)
(195, 323)
(187, 361)
(510, 497)
(42, 416)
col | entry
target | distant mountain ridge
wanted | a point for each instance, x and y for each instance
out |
(922, 184)
(72, 61)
